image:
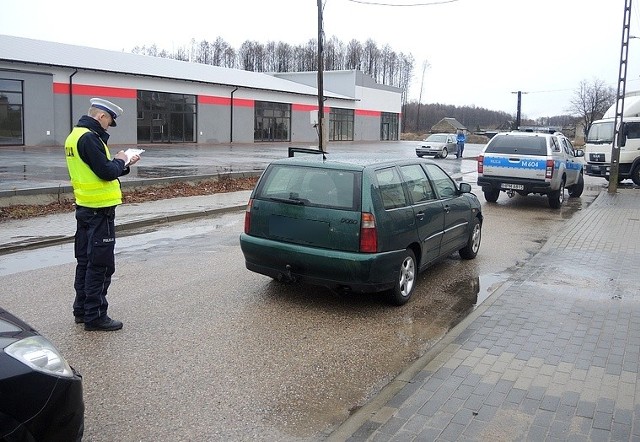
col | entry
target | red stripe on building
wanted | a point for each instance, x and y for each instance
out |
(61, 88)
(308, 108)
(95, 91)
(304, 107)
(367, 113)
(224, 101)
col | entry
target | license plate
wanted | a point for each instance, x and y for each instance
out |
(597, 157)
(513, 186)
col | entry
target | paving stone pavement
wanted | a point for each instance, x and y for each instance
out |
(552, 355)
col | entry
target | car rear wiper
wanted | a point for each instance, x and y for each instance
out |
(295, 200)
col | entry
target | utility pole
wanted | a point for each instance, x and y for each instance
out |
(321, 132)
(618, 125)
(518, 112)
(425, 65)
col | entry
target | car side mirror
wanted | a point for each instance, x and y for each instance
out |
(622, 135)
(578, 153)
(465, 188)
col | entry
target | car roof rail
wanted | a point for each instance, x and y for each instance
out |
(294, 150)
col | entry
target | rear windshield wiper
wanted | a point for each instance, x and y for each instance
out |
(296, 201)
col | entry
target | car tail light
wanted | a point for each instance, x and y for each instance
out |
(549, 173)
(247, 217)
(480, 163)
(368, 233)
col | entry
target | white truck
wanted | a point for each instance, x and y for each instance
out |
(597, 150)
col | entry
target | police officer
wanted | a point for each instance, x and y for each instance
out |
(94, 177)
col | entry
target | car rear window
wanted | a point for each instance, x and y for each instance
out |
(514, 144)
(311, 186)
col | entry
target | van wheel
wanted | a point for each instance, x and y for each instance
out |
(576, 190)
(473, 243)
(635, 175)
(491, 195)
(444, 153)
(556, 198)
(406, 281)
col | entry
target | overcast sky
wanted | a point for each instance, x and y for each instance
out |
(479, 51)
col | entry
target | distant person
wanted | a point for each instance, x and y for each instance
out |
(460, 139)
(94, 177)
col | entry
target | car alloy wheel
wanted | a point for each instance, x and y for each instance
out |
(405, 284)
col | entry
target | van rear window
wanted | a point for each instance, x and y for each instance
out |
(311, 186)
(514, 144)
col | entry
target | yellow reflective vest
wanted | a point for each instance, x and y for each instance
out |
(89, 189)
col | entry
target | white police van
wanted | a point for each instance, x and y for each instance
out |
(530, 162)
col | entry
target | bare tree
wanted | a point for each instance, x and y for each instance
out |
(218, 49)
(229, 58)
(203, 53)
(251, 56)
(284, 57)
(591, 100)
(333, 54)
(371, 58)
(354, 55)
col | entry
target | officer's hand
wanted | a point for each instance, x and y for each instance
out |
(134, 160)
(121, 156)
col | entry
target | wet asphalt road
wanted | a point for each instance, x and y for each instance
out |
(211, 351)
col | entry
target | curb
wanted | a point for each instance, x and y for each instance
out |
(124, 227)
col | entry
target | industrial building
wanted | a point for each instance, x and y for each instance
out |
(45, 88)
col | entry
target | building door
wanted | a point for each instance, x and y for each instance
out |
(384, 136)
(159, 128)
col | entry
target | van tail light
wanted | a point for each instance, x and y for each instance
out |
(368, 233)
(550, 165)
(247, 217)
(480, 163)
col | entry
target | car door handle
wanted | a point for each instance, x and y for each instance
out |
(420, 215)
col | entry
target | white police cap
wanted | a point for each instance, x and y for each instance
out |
(112, 109)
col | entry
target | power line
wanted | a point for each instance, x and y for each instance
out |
(550, 90)
(438, 2)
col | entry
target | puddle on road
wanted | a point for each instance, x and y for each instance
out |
(472, 292)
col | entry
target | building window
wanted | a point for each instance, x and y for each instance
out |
(166, 118)
(389, 127)
(272, 121)
(341, 124)
(11, 115)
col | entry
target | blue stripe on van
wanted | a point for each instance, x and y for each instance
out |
(519, 164)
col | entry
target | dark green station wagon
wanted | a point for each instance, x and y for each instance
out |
(357, 224)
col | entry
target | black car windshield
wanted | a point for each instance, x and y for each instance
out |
(312, 186)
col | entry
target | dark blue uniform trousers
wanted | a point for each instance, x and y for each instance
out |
(95, 242)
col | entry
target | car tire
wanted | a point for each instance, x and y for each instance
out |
(556, 198)
(444, 153)
(635, 175)
(576, 190)
(491, 195)
(470, 250)
(406, 280)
